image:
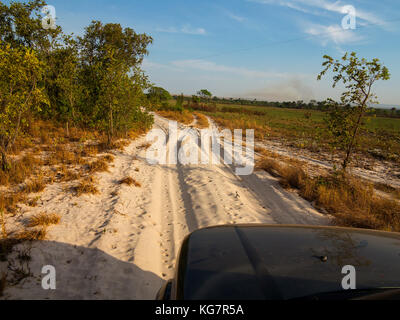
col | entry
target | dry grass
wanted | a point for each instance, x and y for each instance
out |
(9, 201)
(395, 192)
(260, 131)
(351, 201)
(44, 220)
(292, 177)
(20, 170)
(108, 158)
(86, 186)
(184, 117)
(130, 181)
(99, 165)
(3, 225)
(59, 155)
(65, 175)
(202, 121)
(104, 146)
(270, 165)
(35, 186)
(33, 202)
(90, 150)
(32, 235)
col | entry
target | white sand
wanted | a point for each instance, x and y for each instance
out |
(125, 246)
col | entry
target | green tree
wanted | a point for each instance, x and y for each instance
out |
(358, 77)
(67, 80)
(20, 73)
(107, 51)
(158, 95)
(112, 87)
(179, 101)
(204, 94)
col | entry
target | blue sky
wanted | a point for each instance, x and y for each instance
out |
(266, 49)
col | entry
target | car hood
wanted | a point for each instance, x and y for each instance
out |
(283, 262)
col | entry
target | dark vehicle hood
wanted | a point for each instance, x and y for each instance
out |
(283, 262)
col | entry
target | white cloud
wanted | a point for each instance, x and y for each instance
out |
(235, 17)
(187, 29)
(333, 33)
(213, 67)
(309, 6)
(148, 65)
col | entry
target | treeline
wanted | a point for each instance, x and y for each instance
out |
(94, 81)
(311, 105)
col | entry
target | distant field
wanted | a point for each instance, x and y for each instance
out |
(305, 128)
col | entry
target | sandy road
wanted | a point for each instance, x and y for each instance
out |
(123, 243)
(185, 198)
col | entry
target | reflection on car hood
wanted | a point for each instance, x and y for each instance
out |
(283, 262)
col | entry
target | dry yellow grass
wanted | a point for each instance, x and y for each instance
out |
(130, 181)
(3, 225)
(33, 202)
(44, 220)
(99, 165)
(260, 131)
(32, 235)
(90, 150)
(351, 201)
(9, 201)
(270, 165)
(202, 121)
(395, 192)
(108, 157)
(59, 155)
(20, 170)
(65, 175)
(184, 117)
(35, 186)
(86, 186)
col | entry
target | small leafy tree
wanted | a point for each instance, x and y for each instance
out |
(113, 81)
(346, 118)
(20, 72)
(204, 94)
(195, 99)
(158, 95)
(68, 81)
(179, 101)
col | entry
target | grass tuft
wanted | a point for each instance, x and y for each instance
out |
(35, 186)
(86, 186)
(44, 220)
(99, 165)
(128, 181)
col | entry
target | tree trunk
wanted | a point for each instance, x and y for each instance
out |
(110, 128)
(353, 138)
(67, 126)
(4, 161)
